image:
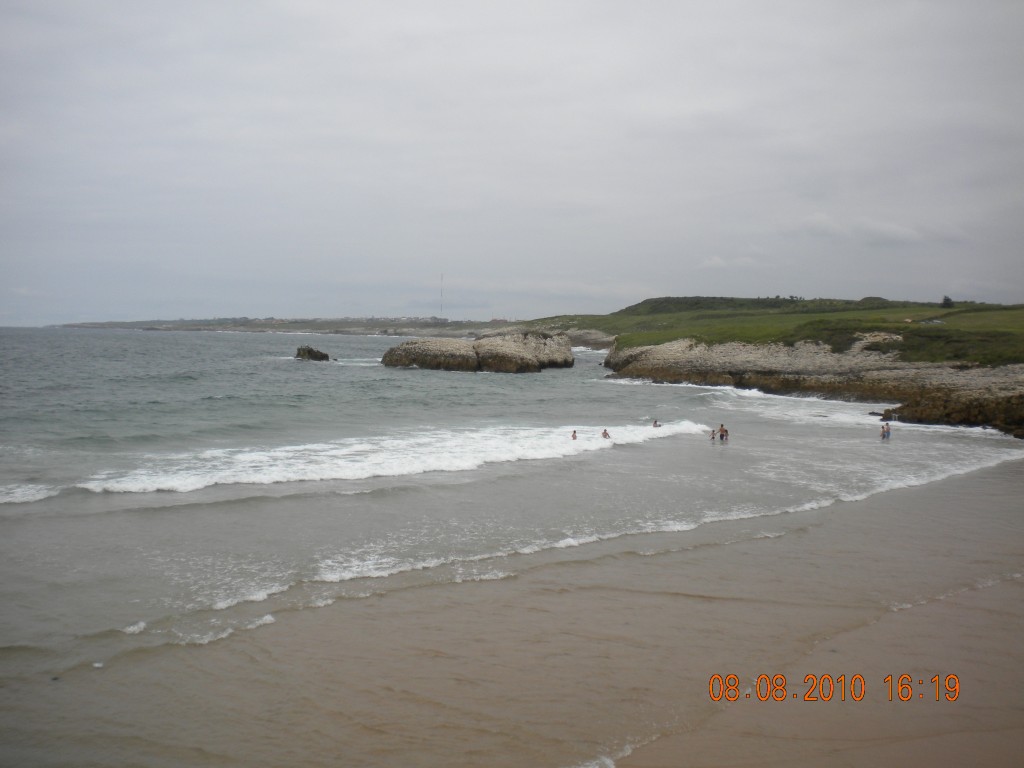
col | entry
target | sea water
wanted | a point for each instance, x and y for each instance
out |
(174, 487)
(177, 488)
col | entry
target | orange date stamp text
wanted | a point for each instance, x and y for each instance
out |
(833, 688)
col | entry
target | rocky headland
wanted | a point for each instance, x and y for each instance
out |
(926, 393)
(518, 352)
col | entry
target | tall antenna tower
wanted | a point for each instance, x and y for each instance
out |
(442, 295)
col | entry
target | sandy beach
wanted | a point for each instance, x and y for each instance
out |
(969, 627)
(603, 655)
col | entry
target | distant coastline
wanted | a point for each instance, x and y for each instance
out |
(942, 363)
(356, 326)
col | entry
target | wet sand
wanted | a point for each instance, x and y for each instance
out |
(602, 655)
(974, 635)
(951, 620)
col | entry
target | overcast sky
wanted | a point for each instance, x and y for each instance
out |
(299, 158)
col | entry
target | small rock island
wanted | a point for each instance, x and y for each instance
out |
(309, 353)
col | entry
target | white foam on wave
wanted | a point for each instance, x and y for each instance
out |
(710, 389)
(574, 541)
(609, 762)
(201, 638)
(400, 454)
(371, 563)
(26, 494)
(369, 566)
(257, 596)
(360, 362)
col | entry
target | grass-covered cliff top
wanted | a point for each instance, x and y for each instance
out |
(988, 334)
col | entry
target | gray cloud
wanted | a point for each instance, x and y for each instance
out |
(314, 158)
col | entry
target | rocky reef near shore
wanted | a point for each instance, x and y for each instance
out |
(926, 393)
(519, 352)
(307, 352)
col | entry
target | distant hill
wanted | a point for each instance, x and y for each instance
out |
(670, 304)
(945, 331)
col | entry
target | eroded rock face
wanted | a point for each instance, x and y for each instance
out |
(1005, 412)
(502, 353)
(436, 354)
(929, 393)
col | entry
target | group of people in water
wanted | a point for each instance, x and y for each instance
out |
(723, 434)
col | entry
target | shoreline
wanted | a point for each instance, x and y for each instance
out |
(603, 656)
(952, 394)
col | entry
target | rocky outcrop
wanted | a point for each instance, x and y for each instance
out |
(1003, 412)
(436, 354)
(578, 337)
(929, 393)
(501, 353)
(309, 353)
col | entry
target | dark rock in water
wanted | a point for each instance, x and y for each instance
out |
(1005, 413)
(501, 353)
(309, 353)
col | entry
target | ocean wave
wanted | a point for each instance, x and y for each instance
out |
(26, 494)
(397, 455)
(350, 568)
(256, 596)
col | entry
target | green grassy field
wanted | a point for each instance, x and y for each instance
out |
(988, 334)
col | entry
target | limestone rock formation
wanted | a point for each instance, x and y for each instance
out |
(309, 353)
(436, 354)
(526, 352)
(929, 393)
